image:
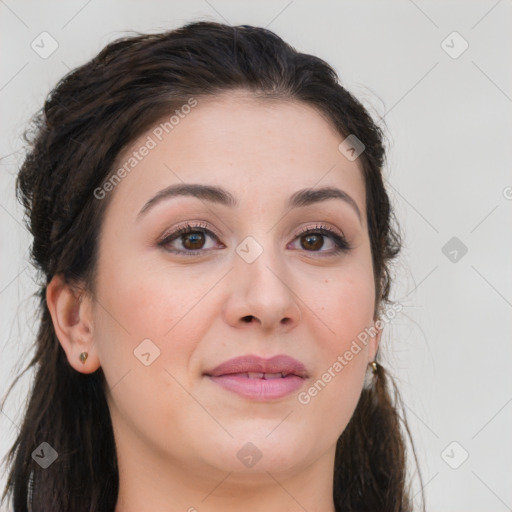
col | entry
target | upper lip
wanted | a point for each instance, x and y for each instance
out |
(250, 363)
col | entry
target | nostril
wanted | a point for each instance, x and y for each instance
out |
(247, 318)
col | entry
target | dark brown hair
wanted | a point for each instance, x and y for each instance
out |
(90, 116)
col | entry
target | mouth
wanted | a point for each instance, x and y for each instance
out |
(260, 379)
(261, 375)
(279, 366)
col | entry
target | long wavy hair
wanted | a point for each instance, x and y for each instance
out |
(92, 114)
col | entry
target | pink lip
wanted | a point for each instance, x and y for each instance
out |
(232, 375)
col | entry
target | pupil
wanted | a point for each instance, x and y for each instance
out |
(311, 239)
(194, 238)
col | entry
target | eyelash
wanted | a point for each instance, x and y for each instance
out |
(341, 243)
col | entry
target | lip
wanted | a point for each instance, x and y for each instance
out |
(233, 376)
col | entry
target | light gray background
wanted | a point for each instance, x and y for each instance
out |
(450, 131)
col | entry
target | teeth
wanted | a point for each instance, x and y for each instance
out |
(266, 376)
(255, 375)
(273, 375)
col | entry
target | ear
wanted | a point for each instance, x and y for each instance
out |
(71, 312)
(374, 343)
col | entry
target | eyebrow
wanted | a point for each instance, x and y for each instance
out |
(301, 198)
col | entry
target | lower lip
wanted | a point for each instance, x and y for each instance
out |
(259, 389)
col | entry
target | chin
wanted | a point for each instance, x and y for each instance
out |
(253, 454)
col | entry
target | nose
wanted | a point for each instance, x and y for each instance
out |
(262, 295)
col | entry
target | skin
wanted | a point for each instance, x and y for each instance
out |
(177, 433)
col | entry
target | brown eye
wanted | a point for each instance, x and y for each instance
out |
(312, 242)
(193, 240)
(188, 240)
(314, 239)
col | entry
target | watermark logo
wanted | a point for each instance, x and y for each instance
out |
(249, 249)
(454, 45)
(44, 45)
(351, 147)
(249, 455)
(45, 455)
(146, 352)
(454, 455)
(454, 249)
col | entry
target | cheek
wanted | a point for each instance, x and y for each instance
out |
(345, 304)
(157, 302)
(346, 308)
(146, 315)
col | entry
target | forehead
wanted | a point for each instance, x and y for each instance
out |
(255, 147)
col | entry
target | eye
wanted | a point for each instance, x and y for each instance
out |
(313, 239)
(191, 238)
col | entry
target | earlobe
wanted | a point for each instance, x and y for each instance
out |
(375, 340)
(71, 312)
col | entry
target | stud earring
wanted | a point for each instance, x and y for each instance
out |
(369, 377)
(83, 357)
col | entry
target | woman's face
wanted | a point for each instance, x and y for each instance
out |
(170, 308)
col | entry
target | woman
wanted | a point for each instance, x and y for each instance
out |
(210, 219)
